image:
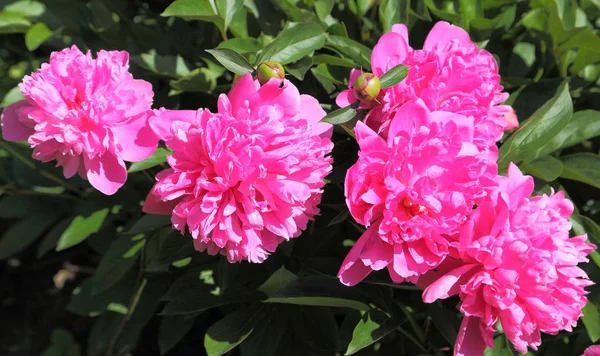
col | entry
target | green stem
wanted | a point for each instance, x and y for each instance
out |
(41, 194)
(413, 339)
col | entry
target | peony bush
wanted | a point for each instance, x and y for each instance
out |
(233, 177)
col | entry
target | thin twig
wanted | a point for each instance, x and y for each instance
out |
(141, 283)
(413, 339)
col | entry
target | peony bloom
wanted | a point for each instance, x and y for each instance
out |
(248, 177)
(412, 190)
(88, 114)
(449, 74)
(593, 350)
(517, 266)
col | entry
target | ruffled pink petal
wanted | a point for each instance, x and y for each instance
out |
(345, 98)
(443, 32)
(13, 127)
(353, 270)
(469, 341)
(161, 121)
(136, 138)
(282, 96)
(244, 89)
(311, 111)
(390, 51)
(448, 284)
(154, 205)
(106, 173)
(593, 350)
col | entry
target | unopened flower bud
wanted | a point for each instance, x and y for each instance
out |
(268, 70)
(366, 87)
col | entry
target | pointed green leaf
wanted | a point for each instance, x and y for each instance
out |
(230, 331)
(36, 35)
(373, 326)
(23, 233)
(81, 228)
(536, 131)
(340, 116)
(297, 40)
(231, 60)
(158, 157)
(227, 9)
(583, 167)
(394, 76)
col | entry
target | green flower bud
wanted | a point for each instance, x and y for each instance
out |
(366, 87)
(268, 70)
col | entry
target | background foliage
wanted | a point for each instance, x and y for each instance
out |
(83, 273)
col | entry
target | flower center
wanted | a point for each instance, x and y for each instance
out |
(413, 209)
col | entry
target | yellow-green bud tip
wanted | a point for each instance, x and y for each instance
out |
(366, 87)
(268, 70)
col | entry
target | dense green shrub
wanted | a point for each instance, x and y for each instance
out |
(140, 288)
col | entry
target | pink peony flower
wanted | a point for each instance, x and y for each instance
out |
(593, 350)
(412, 190)
(449, 74)
(517, 266)
(248, 177)
(88, 114)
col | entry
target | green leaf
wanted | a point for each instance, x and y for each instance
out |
(333, 60)
(241, 45)
(373, 326)
(26, 8)
(174, 248)
(323, 8)
(16, 206)
(49, 241)
(267, 334)
(297, 40)
(340, 116)
(13, 23)
(277, 280)
(536, 131)
(227, 9)
(149, 222)
(231, 60)
(84, 302)
(23, 233)
(81, 228)
(12, 97)
(340, 218)
(116, 262)
(584, 125)
(548, 168)
(393, 76)
(592, 229)
(318, 291)
(204, 297)
(62, 343)
(36, 35)
(445, 321)
(230, 331)
(501, 348)
(158, 157)
(583, 167)
(392, 12)
(172, 330)
(298, 69)
(169, 66)
(591, 320)
(360, 54)
(202, 10)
